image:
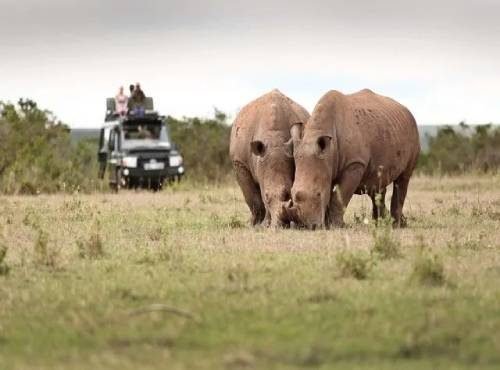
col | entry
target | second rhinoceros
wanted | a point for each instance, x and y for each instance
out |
(358, 143)
(261, 153)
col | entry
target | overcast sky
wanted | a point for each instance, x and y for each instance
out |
(439, 58)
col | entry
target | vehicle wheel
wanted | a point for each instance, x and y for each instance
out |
(116, 181)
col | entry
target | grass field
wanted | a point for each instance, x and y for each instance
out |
(178, 280)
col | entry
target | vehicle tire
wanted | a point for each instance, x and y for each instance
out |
(116, 180)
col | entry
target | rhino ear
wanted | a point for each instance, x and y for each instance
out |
(258, 148)
(289, 148)
(296, 131)
(323, 143)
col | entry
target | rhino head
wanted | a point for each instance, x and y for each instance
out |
(275, 169)
(310, 195)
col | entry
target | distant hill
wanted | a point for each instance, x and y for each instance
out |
(425, 132)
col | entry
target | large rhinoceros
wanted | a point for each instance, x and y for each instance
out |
(261, 153)
(358, 143)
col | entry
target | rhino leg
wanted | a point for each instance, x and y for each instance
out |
(340, 198)
(378, 204)
(251, 193)
(400, 186)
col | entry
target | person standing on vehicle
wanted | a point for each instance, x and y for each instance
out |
(121, 103)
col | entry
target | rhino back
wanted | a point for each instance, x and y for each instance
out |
(388, 132)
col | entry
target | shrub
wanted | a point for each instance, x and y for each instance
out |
(357, 265)
(93, 247)
(235, 222)
(4, 268)
(44, 256)
(455, 150)
(385, 245)
(204, 144)
(428, 269)
(36, 154)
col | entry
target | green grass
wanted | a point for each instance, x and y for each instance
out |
(178, 280)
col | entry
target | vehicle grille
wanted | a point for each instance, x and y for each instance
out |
(143, 158)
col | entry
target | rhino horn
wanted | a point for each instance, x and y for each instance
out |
(296, 131)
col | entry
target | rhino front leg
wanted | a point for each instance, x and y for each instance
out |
(342, 194)
(251, 193)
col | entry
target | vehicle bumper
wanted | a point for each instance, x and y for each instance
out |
(168, 172)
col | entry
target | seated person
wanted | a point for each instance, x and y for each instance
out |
(138, 95)
(138, 99)
(121, 103)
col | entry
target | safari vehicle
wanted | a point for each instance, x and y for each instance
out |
(136, 149)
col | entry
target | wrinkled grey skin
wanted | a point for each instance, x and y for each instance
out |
(261, 153)
(352, 144)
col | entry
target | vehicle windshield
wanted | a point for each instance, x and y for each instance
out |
(144, 133)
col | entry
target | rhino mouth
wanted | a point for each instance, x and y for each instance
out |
(291, 214)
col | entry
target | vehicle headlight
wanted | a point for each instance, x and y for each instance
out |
(175, 160)
(129, 162)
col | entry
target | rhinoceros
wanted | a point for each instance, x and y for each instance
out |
(357, 143)
(261, 153)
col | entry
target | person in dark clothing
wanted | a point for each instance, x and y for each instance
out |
(131, 104)
(138, 94)
(138, 100)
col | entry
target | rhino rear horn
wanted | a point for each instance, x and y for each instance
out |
(296, 131)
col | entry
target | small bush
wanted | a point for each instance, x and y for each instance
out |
(4, 268)
(93, 247)
(428, 269)
(357, 265)
(385, 245)
(235, 222)
(460, 243)
(156, 234)
(238, 277)
(43, 255)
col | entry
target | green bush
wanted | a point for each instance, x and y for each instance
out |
(385, 245)
(354, 264)
(462, 149)
(4, 268)
(428, 269)
(36, 154)
(204, 144)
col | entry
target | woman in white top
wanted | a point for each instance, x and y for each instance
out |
(121, 102)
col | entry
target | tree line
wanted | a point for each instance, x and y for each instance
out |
(37, 155)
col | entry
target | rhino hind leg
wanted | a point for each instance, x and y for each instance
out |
(378, 204)
(251, 193)
(400, 187)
